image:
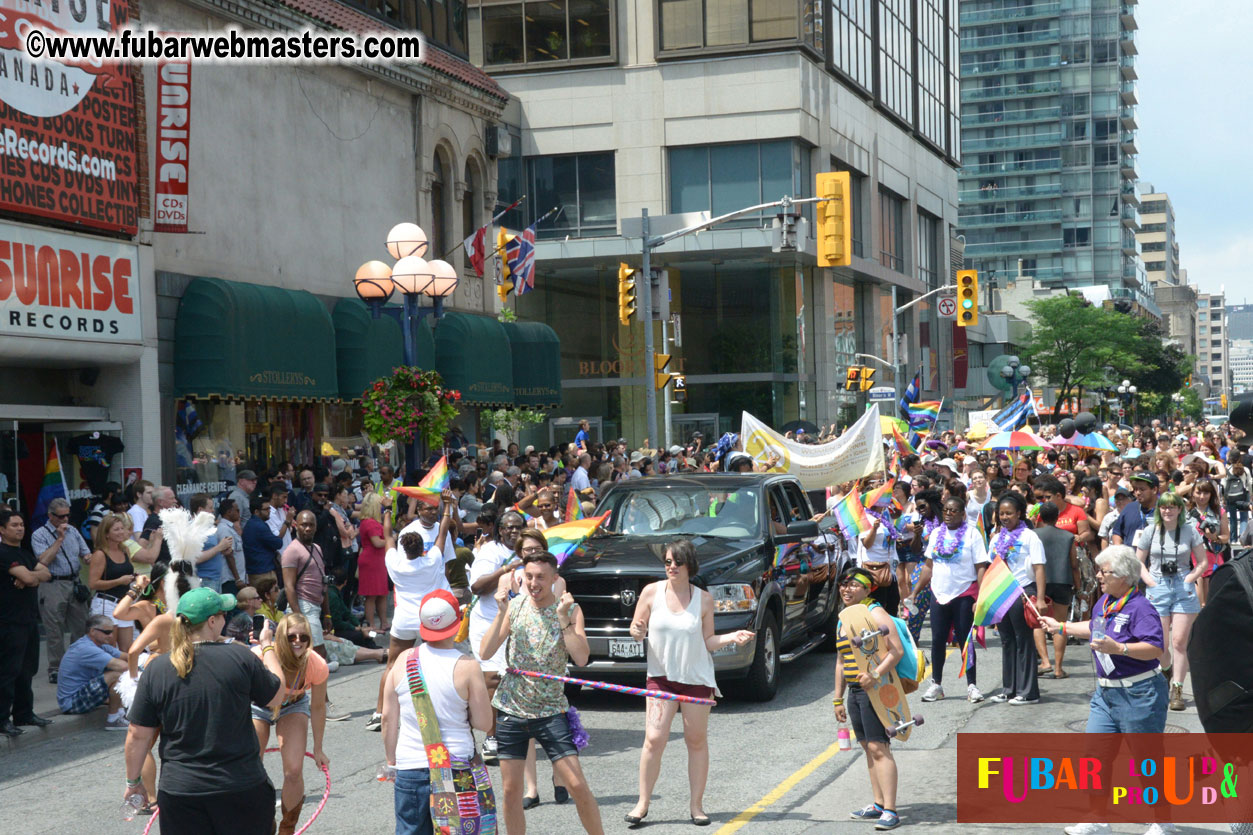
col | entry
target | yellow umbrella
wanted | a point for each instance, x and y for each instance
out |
(886, 424)
(979, 431)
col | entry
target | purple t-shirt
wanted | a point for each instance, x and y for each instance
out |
(1137, 622)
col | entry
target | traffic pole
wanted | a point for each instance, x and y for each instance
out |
(646, 296)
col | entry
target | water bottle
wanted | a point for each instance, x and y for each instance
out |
(911, 608)
(843, 736)
(131, 806)
(386, 773)
(1098, 629)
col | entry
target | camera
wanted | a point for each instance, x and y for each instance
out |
(329, 579)
(1170, 567)
(1210, 527)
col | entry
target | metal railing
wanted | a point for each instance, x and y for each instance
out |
(1002, 142)
(1054, 164)
(1005, 91)
(1009, 39)
(1011, 13)
(1010, 218)
(1016, 65)
(1011, 248)
(1014, 117)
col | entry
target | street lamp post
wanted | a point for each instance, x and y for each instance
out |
(1177, 400)
(415, 278)
(1126, 394)
(1015, 373)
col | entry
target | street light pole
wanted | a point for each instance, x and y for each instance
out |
(646, 297)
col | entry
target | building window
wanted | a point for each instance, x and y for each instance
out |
(852, 47)
(582, 189)
(469, 203)
(896, 66)
(722, 178)
(539, 33)
(932, 120)
(443, 22)
(693, 24)
(439, 211)
(928, 258)
(892, 230)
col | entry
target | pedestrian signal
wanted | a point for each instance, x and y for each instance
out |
(852, 382)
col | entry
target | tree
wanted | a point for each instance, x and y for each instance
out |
(510, 422)
(1163, 366)
(1073, 343)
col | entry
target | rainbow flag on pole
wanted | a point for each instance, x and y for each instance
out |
(574, 508)
(431, 485)
(903, 446)
(881, 494)
(968, 653)
(851, 516)
(564, 538)
(924, 412)
(997, 592)
(53, 487)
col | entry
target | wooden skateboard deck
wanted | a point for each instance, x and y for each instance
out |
(870, 647)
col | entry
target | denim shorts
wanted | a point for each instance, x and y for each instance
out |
(514, 734)
(861, 715)
(265, 714)
(1173, 596)
(413, 802)
(1138, 709)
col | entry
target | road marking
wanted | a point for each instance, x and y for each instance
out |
(738, 822)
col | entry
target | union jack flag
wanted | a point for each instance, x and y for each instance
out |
(520, 258)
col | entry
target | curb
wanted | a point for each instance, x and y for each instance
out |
(62, 725)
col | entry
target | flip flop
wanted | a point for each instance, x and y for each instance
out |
(1043, 670)
(1060, 674)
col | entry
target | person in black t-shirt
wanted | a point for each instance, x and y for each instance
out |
(200, 698)
(95, 456)
(19, 625)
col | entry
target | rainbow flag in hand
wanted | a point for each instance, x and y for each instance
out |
(564, 538)
(903, 447)
(53, 487)
(851, 516)
(924, 412)
(880, 495)
(574, 508)
(968, 653)
(997, 592)
(431, 485)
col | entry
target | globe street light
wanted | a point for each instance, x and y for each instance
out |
(1126, 394)
(1014, 373)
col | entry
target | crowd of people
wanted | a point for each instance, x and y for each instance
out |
(310, 569)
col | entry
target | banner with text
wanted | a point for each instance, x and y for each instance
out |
(68, 129)
(173, 144)
(856, 453)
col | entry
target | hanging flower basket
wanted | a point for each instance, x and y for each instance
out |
(409, 404)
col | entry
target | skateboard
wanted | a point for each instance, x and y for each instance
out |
(870, 645)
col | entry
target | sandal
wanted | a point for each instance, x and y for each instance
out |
(1060, 674)
(1042, 670)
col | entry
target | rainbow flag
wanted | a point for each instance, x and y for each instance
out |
(53, 487)
(574, 508)
(997, 592)
(431, 485)
(981, 527)
(851, 516)
(564, 538)
(881, 494)
(526, 517)
(968, 653)
(924, 412)
(903, 447)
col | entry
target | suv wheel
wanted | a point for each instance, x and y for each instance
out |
(762, 681)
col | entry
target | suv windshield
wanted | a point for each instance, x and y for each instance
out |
(690, 509)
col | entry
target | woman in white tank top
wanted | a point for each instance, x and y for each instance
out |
(677, 618)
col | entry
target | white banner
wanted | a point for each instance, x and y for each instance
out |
(855, 454)
(984, 418)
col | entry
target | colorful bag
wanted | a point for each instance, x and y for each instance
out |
(462, 802)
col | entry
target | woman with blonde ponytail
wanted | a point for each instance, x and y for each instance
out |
(200, 697)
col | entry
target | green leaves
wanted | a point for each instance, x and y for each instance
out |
(1076, 344)
(409, 403)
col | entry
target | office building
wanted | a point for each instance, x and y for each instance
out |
(1240, 321)
(1179, 311)
(1241, 364)
(1212, 344)
(1159, 248)
(1048, 120)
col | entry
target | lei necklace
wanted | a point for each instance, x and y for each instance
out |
(929, 525)
(1005, 541)
(950, 542)
(889, 529)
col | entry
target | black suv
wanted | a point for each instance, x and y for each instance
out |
(752, 534)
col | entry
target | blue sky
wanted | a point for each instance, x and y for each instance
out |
(1196, 131)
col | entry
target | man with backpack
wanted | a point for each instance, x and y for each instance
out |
(1237, 488)
(304, 580)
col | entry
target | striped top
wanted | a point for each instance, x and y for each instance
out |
(845, 650)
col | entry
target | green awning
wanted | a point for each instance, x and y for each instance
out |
(536, 364)
(237, 340)
(472, 355)
(367, 348)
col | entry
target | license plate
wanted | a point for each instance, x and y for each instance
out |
(626, 649)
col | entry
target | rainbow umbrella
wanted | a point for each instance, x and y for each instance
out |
(1092, 440)
(1020, 439)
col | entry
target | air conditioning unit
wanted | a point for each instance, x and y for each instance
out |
(499, 141)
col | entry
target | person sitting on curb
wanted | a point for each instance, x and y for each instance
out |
(88, 671)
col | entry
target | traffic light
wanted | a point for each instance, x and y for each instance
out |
(967, 298)
(660, 378)
(626, 293)
(835, 219)
(867, 377)
(680, 388)
(852, 382)
(1224, 402)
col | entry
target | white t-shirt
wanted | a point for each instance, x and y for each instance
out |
(1027, 552)
(491, 557)
(1107, 524)
(952, 576)
(138, 517)
(974, 508)
(415, 579)
(277, 517)
(428, 535)
(881, 550)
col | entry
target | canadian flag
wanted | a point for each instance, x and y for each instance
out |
(476, 248)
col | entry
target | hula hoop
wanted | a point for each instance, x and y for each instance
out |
(156, 810)
(616, 688)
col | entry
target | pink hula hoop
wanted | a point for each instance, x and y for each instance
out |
(325, 794)
(617, 688)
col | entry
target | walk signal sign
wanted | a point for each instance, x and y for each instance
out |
(680, 388)
(852, 381)
(834, 219)
(626, 293)
(967, 298)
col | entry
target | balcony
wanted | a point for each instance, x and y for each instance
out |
(975, 42)
(1128, 117)
(1001, 143)
(1128, 16)
(1128, 92)
(1127, 40)
(998, 219)
(1144, 300)
(1127, 193)
(1129, 246)
(977, 68)
(1128, 216)
(1127, 166)
(1127, 65)
(1015, 13)
(993, 195)
(1012, 249)
(990, 168)
(1014, 117)
(1127, 142)
(1013, 91)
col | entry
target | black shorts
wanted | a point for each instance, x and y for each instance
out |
(246, 812)
(862, 717)
(513, 736)
(1060, 593)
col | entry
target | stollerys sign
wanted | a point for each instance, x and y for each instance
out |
(68, 130)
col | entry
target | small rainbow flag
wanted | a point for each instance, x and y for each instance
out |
(574, 508)
(851, 516)
(981, 527)
(968, 653)
(924, 412)
(431, 485)
(526, 517)
(52, 487)
(564, 538)
(880, 495)
(903, 446)
(997, 593)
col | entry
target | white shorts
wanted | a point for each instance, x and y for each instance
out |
(105, 606)
(403, 634)
(478, 628)
(313, 614)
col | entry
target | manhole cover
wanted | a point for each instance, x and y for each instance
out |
(1081, 725)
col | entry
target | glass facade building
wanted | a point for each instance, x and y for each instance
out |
(1048, 102)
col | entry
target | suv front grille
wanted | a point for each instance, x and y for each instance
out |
(601, 599)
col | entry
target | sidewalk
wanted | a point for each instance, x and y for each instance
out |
(46, 706)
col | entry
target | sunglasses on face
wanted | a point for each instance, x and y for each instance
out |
(675, 563)
(296, 637)
(104, 631)
(65, 515)
(545, 506)
(512, 527)
(533, 549)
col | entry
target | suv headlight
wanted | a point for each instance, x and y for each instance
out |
(733, 597)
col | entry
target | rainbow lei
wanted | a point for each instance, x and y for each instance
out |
(948, 547)
(1004, 542)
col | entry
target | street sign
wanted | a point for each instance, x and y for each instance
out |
(1122, 412)
(880, 393)
(633, 227)
(947, 306)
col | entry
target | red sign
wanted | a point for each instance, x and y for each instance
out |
(68, 130)
(173, 144)
(961, 356)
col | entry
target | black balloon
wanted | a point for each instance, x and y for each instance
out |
(1242, 416)
(1085, 422)
(1066, 427)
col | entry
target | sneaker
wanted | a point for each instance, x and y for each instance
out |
(1000, 698)
(888, 820)
(1088, 829)
(1019, 700)
(934, 693)
(1176, 696)
(973, 695)
(332, 666)
(52, 676)
(490, 752)
(375, 722)
(1161, 829)
(873, 812)
(118, 723)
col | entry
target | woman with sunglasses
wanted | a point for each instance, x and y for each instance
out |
(677, 619)
(918, 522)
(545, 502)
(110, 572)
(1023, 553)
(1210, 518)
(304, 704)
(1163, 548)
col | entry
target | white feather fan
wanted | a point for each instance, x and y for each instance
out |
(185, 536)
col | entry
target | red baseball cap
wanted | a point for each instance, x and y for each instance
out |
(440, 616)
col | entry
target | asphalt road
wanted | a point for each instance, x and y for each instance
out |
(774, 768)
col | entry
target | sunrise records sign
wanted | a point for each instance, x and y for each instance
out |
(67, 129)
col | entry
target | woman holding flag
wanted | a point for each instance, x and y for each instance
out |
(1023, 554)
(876, 552)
